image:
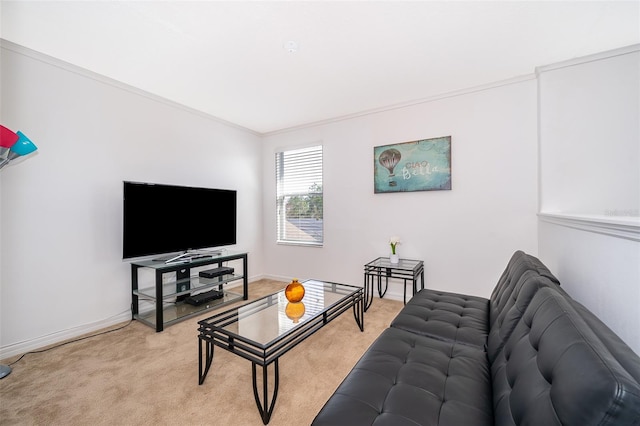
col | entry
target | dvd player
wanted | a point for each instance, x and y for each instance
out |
(216, 272)
(201, 298)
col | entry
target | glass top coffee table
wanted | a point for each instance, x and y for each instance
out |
(265, 329)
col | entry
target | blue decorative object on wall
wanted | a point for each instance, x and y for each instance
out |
(15, 144)
(423, 165)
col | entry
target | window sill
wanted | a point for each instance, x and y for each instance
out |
(299, 243)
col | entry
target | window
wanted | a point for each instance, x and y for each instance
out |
(299, 196)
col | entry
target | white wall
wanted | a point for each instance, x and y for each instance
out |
(590, 192)
(465, 236)
(60, 209)
(61, 218)
(590, 134)
(600, 271)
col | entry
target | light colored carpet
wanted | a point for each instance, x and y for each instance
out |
(136, 376)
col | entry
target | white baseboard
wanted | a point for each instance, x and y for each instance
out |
(20, 348)
(61, 336)
(394, 293)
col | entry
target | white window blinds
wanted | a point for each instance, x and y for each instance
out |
(299, 196)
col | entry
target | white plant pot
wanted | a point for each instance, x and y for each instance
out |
(394, 258)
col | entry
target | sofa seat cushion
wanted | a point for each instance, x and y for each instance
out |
(446, 316)
(408, 379)
(555, 370)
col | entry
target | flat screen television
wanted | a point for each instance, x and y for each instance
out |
(163, 219)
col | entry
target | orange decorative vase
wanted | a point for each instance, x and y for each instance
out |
(295, 311)
(294, 291)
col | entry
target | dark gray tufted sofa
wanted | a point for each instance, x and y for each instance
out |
(529, 355)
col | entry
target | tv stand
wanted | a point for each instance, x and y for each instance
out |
(167, 297)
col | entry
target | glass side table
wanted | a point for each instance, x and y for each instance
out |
(406, 269)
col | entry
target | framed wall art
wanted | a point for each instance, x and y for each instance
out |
(422, 165)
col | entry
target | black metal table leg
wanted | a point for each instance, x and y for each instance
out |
(208, 360)
(404, 299)
(359, 307)
(381, 292)
(368, 290)
(264, 407)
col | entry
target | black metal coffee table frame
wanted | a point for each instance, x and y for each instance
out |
(212, 332)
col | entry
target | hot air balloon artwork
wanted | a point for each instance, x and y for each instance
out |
(389, 159)
(422, 165)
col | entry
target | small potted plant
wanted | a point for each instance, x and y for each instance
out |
(394, 241)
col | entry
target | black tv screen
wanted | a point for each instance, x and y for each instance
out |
(162, 219)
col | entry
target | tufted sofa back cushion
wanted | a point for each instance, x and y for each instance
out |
(555, 370)
(502, 296)
(519, 282)
(513, 304)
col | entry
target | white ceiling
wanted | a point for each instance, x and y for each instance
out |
(227, 59)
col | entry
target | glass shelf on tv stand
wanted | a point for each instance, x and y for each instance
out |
(178, 311)
(191, 286)
(164, 299)
(198, 259)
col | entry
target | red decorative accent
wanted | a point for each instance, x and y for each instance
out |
(7, 137)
